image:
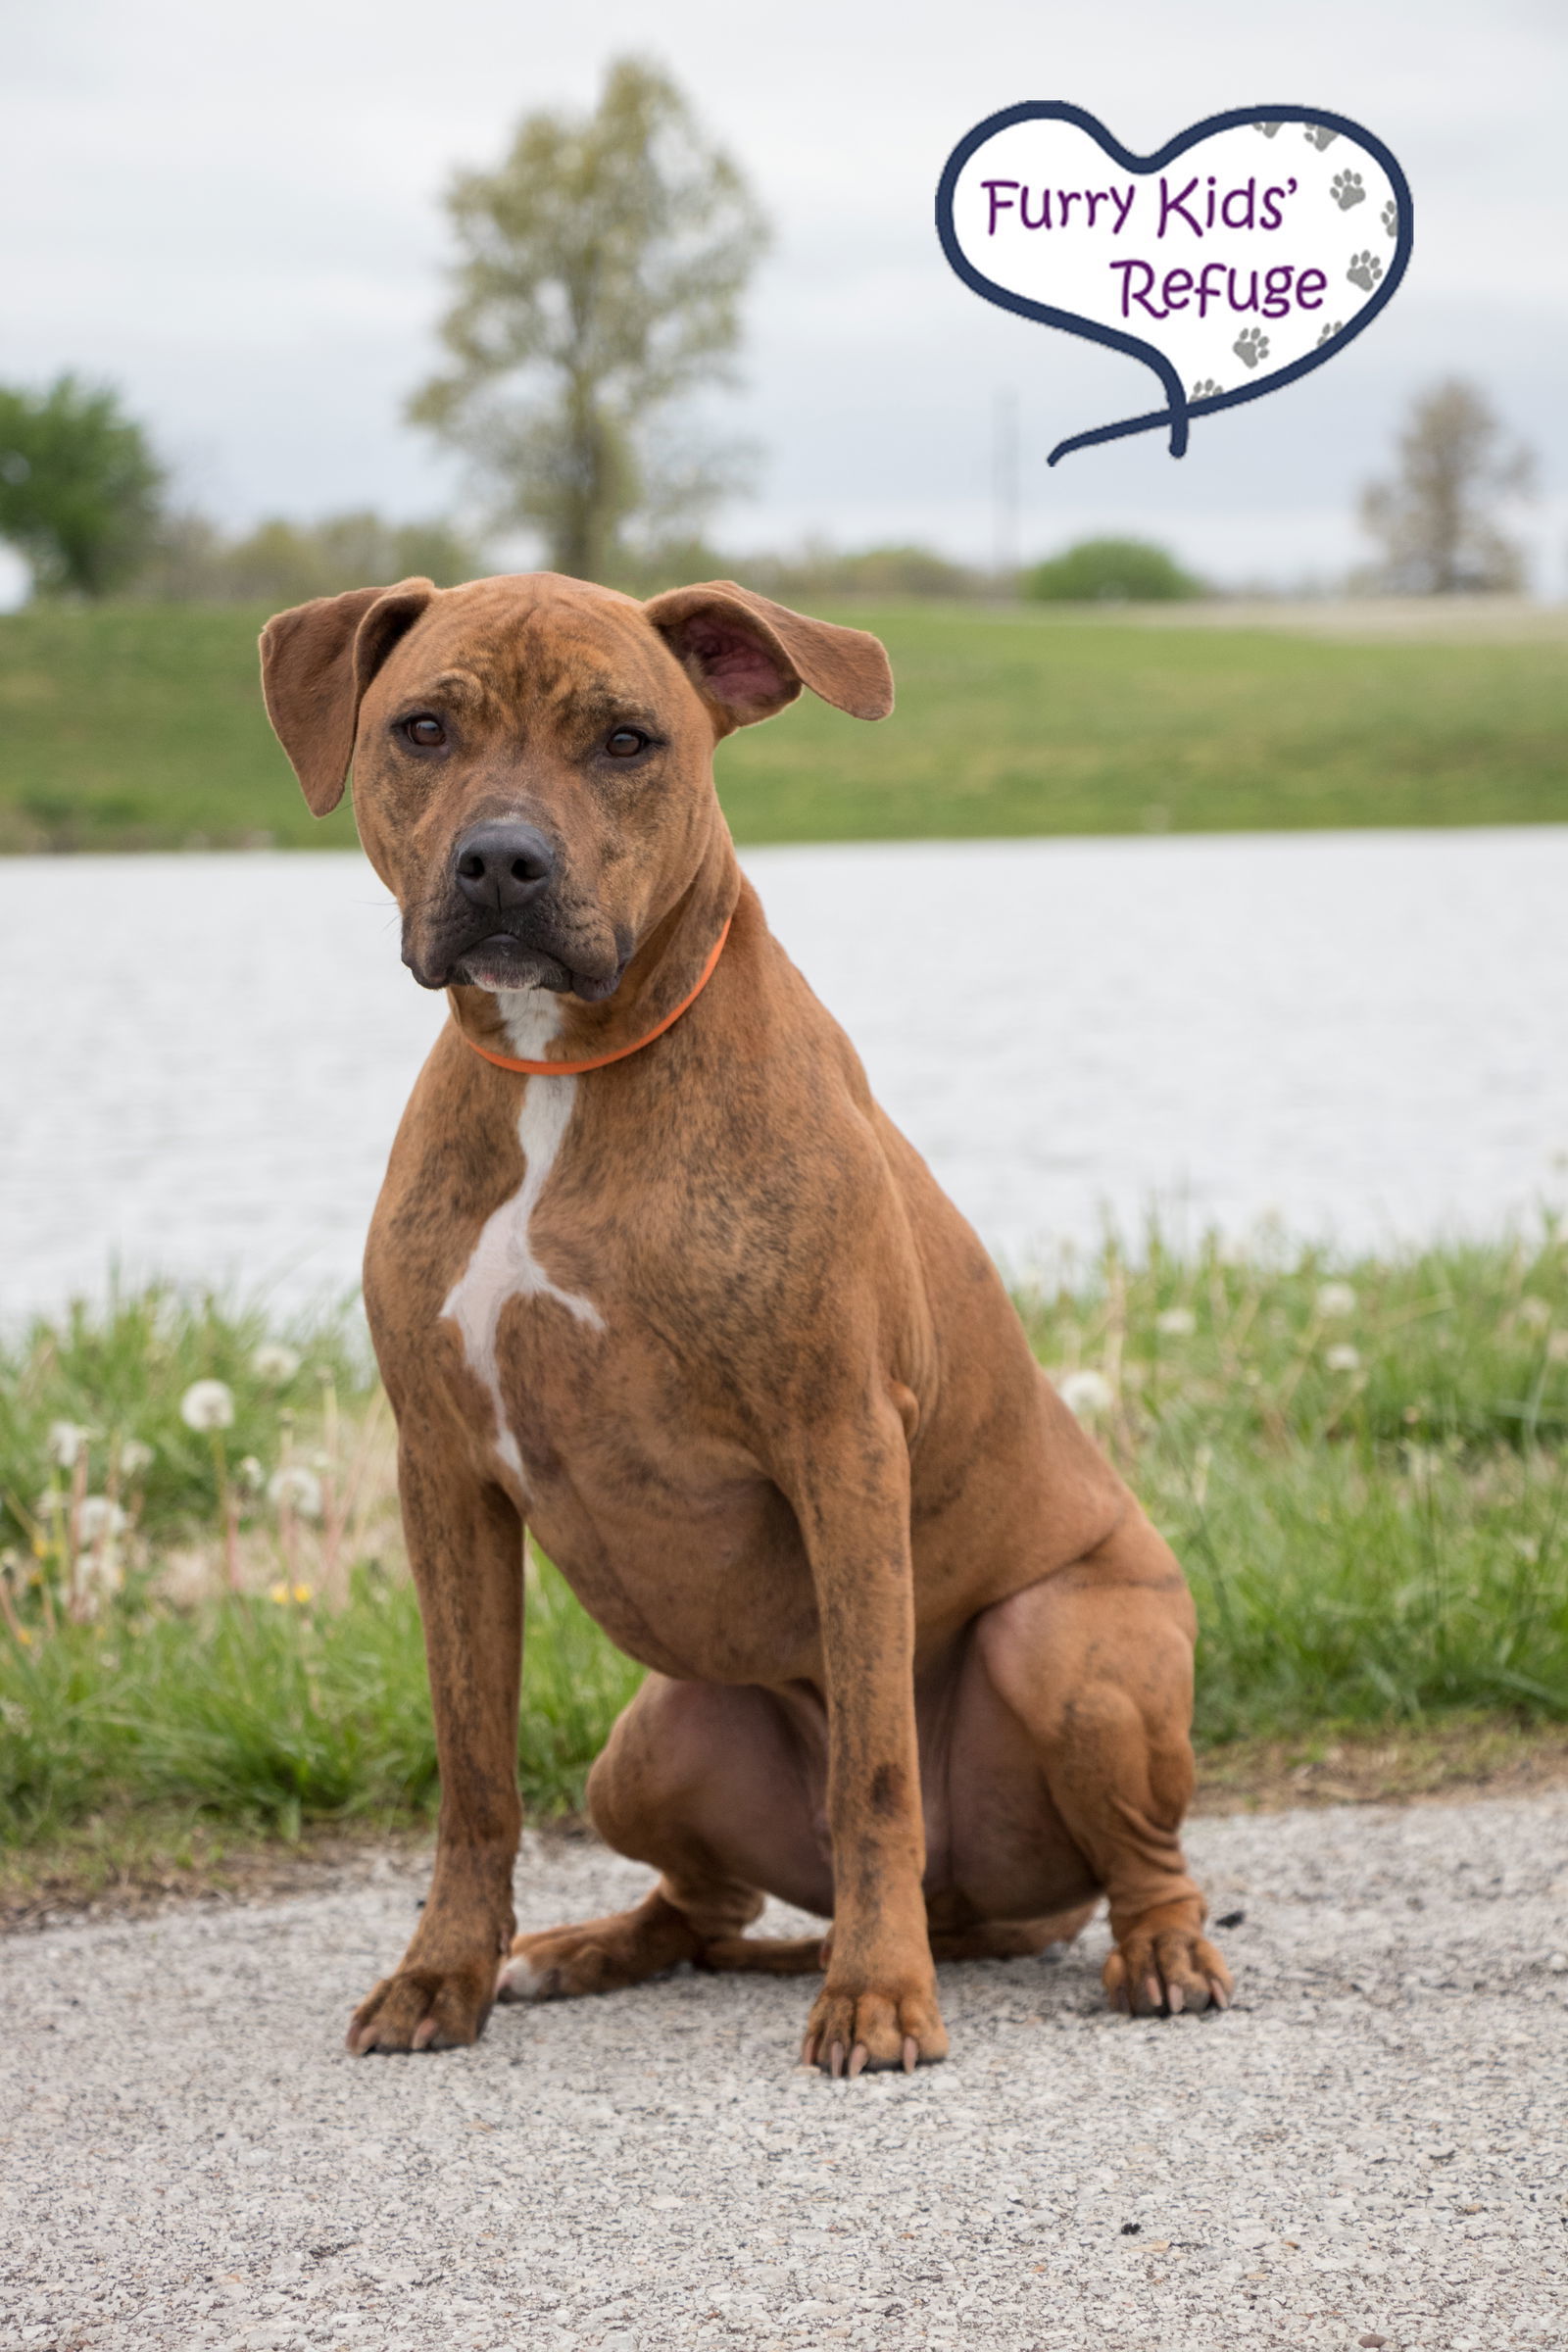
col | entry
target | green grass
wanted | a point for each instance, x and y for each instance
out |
(273, 1714)
(138, 726)
(1374, 1543)
(120, 1370)
(1368, 1487)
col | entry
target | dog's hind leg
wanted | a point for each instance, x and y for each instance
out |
(701, 1783)
(764, 1956)
(1096, 1665)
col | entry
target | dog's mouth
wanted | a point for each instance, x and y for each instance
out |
(502, 961)
(499, 960)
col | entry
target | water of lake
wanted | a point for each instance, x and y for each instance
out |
(203, 1058)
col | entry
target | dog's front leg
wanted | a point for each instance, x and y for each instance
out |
(466, 1548)
(849, 1487)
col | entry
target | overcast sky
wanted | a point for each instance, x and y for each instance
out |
(232, 210)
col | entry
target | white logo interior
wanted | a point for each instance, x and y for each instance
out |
(1253, 247)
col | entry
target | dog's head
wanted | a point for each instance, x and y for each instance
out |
(532, 755)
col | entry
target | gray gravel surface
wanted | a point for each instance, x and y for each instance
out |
(1372, 2148)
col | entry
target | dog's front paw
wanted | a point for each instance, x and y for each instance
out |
(1163, 1965)
(853, 2027)
(423, 2009)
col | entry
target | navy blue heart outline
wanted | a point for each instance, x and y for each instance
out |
(1073, 322)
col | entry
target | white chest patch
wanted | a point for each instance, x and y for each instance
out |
(504, 1265)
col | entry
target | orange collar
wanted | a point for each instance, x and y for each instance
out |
(600, 1061)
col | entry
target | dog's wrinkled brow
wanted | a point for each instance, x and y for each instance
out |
(458, 689)
(583, 707)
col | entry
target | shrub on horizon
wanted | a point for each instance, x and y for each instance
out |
(1112, 571)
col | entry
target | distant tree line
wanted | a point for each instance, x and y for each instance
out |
(190, 560)
(80, 501)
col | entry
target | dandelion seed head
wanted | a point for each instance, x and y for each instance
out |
(1343, 1358)
(208, 1405)
(1086, 1393)
(1335, 1298)
(1176, 1322)
(98, 1519)
(296, 1488)
(66, 1441)
(99, 1577)
(274, 1363)
(135, 1456)
(249, 1475)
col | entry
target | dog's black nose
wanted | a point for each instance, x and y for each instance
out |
(500, 866)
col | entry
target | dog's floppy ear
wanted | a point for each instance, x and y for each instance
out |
(748, 657)
(317, 662)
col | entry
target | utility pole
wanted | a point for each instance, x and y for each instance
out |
(1005, 491)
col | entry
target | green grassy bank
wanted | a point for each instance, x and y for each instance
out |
(141, 727)
(1365, 1470)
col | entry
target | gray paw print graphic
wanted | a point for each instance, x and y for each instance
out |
(1364, 271)
(1329, 334)
(1250, 345)
(1348, 188)
(1204, 388)
(1391, 218)
(1318, 136)
(1269, 130)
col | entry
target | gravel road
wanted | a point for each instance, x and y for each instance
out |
(1371, 2148)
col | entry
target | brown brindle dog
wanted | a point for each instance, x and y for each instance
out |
(701, 1319)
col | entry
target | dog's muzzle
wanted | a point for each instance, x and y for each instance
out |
(500, 926)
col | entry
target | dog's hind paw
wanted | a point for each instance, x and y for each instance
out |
(602, 1955)
(1160, 1970)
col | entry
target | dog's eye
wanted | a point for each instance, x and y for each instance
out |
(427, 731)
(626, 743)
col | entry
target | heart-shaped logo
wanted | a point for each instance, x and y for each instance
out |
(1242, 256)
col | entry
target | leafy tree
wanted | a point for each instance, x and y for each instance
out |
(1112, 571)
(599, 279)
(78, 486)
(1437, 519)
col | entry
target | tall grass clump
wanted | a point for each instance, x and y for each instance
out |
(203, 1588)
(1364, 1469)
